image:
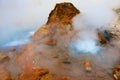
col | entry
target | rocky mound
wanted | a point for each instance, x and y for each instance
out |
(59, 18)
(63, 13)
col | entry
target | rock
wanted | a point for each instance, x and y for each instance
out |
(88, 66)
(25, 58)
(41, 33)
(102, 39)
(59, 20)
(37, 74)
(116, 72)
(115, 30)
(3, 57)
(112, 33)
(105, 37)
(63, 13)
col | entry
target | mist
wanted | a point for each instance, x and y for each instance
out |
(18, 19)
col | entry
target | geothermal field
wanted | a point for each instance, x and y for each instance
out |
(60, 40)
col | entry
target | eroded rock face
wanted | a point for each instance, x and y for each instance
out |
(59, 20)
(63, 12)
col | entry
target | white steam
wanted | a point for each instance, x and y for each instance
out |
(86, 46)
(22, 16)
(95, 15)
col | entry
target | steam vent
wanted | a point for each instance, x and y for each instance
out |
(63, 49)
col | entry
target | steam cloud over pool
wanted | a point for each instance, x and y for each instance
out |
(86, 46)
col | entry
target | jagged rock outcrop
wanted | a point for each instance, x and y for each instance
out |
(60, 20)
(63, 13)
